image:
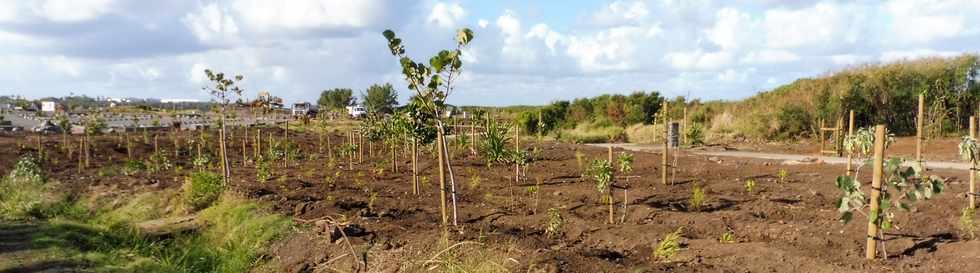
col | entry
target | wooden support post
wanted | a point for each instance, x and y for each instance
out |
(920, 117)
(415, 166)
(973, 167)
(823, 138)
(609, 194)
(360, 147)
(879, 159)
(850, 155)
(665, 165)
(838, 139)
(517, 147)
(472, 137)
(442, 177)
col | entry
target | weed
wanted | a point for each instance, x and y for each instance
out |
(474, 180)
(750, 185)
(968, 223)
(697, 198)
(783, 174)
(669, 246)
(372, 200)
(727, 238)
(555, 225)
(133, 166)
(201, 189)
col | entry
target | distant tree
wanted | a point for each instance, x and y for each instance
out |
(336, 98)
(380, 99)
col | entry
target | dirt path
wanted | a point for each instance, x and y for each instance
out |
(19, 255)
(774, 156)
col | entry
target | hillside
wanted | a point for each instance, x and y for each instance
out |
(878, 93)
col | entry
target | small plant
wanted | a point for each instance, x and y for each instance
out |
(372, 199)
(159, 162)
(900, 187)
(202, 161)
(727, 238)
(474, 180)
(495, 141)
(783, 174)
(697, 198)
(694, 134)
(602, 172)
(669, 246)
(580, 160)
(625, 163)
(750, 185)
(968, 223)
(555, 226)
(263, 170)
(201, 189)
(522, 159)
(533, 192)
(133, 166)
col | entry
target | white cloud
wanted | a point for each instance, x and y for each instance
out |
(611, 49)
(621, 12)
(196, 74)
(72, 10)
(263, 15)
(848, 59)
(446, 15)
(730, 28)
(918, 22)
(895, 55)
(821, 24)
(63, 65)
(483, 23)
(211, 24)
(699, 60)
(770, 57)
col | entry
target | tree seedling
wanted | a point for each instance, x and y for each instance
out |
(555, 226)
(669, 246)
(900, 188)
(697, 198)
(783, 174)
(602, 172)
(727, 238)
(750, 185)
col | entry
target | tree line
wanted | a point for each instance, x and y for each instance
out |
(377, 99)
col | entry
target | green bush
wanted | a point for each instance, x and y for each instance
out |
(794, 121)
(694, 134)
(23, 191)
(201, 189)
(495, 143)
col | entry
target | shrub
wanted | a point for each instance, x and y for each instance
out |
(968, 224)
(727, 238)
(555, 225)
(697, 198)
(495, 143)
(794, 121)
(23, 191)
(669, 246)
(201, 189)
(694, 134)
(598, 132)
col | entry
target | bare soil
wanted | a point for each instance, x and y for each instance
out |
(789, 226)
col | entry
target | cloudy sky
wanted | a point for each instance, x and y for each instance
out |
(525, 52)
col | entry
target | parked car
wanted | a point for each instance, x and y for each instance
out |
(356, 111)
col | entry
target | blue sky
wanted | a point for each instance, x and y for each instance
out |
(525, 52)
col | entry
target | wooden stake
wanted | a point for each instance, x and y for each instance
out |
(973, 168)
(879, 159)
(664, 165)
(415, 166)
(442, 178)
(517, 147)
(609, 194)
(918, 128)
(850, 155)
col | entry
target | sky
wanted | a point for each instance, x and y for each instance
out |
(524, 51)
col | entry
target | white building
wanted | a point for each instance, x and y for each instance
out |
(48, 106)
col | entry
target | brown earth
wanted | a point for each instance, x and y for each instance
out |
(780, 227)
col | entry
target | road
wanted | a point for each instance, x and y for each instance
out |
(773, 156)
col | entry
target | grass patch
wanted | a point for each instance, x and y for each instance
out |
(592, 133)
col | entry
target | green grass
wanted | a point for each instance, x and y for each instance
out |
(99, 234)
(592, 133)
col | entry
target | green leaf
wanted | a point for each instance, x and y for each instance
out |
(873, 217)
(388, 34)
(464, 36)
(843, 205)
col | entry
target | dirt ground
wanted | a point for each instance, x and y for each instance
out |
(789, 226)
(940, 149)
